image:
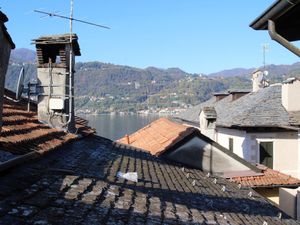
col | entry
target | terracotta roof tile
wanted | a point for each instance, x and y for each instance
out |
(79, 185)
(269, 177)
(22, 132)
(158, 136)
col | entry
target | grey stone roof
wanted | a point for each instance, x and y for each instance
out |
(78, 184)
(210, 112)
(256, 109)
(192, 115)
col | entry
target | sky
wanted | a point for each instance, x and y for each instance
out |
(196, 36)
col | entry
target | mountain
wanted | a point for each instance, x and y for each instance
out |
(233, 72)
(23, 55)
(105, 87)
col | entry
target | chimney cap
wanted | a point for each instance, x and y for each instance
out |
(59, 39)
(221, 93)
(290, 80)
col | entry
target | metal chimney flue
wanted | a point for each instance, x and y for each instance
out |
(55, 63)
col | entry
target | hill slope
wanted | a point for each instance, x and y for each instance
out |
(103, 87)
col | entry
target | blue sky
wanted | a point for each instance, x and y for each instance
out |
(195, 35)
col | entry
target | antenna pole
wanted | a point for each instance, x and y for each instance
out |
(265, 48)
(71, 66)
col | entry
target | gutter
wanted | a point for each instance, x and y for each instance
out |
(281, 40)
(274, 11)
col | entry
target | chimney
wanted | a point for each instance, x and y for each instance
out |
(220, 96)
(290, 94)
(55, 62)
(237, 94)
(6, 44)
(258, 80)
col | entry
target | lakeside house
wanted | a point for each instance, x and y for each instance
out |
(175, 142)
(79, 182)
(261, 126)
(258, 126)
(53, 176)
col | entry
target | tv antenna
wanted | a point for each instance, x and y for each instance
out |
(265, 49)
(71, 19)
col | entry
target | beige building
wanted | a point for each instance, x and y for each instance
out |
(260, 126)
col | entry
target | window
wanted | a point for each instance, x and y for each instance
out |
(230, 147)
(266, 154)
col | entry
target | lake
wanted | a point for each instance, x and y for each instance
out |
(116, 126)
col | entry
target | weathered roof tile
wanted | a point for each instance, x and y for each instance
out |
(158, 136)
(93, 194)
(268, 178)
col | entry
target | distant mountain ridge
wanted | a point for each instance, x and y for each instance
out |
(23, 55)
(105, 87)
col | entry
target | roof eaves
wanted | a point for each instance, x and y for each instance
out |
(277, 9)
(242, 127)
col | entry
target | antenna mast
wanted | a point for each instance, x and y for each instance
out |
(71, 19)
(265, 48)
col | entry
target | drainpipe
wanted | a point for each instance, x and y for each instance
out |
(281, 40)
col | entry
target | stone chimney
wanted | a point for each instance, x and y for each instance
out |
(257, 80)
(237, 94)
(56, 99)
(220, 96)
(290, 94)
(6, 44)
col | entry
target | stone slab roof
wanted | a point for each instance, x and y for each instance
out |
(78, 184)
(268, 178)
(22, 132)
(158, 136)
(59, 39)
(256, 109)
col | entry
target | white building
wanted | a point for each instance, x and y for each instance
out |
(261, 126)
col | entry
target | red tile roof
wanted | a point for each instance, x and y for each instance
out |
(22, 132)
(158, 136)
(268, 178)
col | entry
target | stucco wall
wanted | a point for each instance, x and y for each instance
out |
(240, 141)
(288, 201)
(5, 49)
(286, 147)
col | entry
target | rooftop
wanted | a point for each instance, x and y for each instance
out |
(23, 133)
(158, 136)
(59, 39)
(269, 178)
(256, 109)
(285, 13)
(79, 185)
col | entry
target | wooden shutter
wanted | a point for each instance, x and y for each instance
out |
(266, 154)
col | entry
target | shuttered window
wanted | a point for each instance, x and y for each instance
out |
(266, 153)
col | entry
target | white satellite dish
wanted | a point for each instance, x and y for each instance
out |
(20, 84)
(266, 72)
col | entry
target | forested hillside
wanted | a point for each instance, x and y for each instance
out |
(102, 87)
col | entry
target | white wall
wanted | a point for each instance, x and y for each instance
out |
(286, 147)
(240, 141)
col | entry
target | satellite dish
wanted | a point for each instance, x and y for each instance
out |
(266, 72)
(20, 85)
